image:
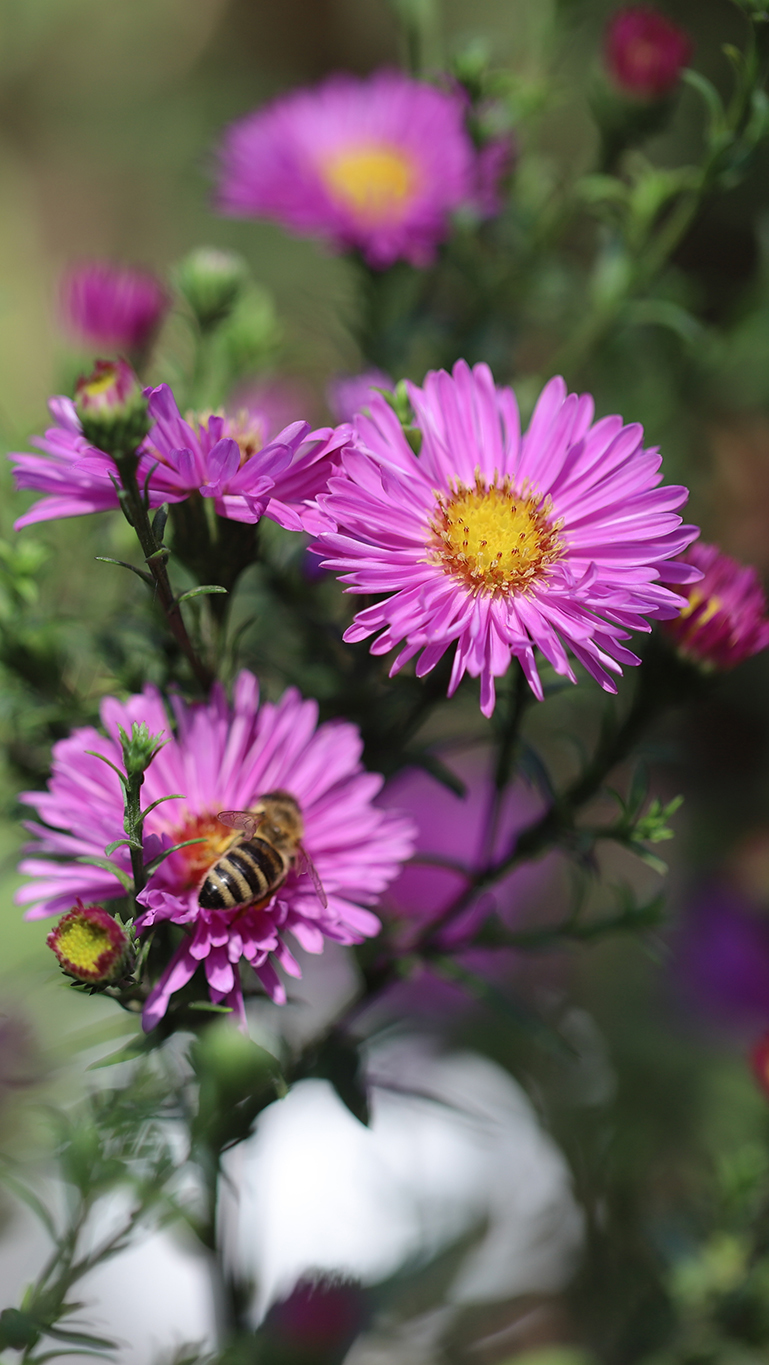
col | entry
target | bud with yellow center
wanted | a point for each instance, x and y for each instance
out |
(494, 539)
(112, 408)
(91, 945)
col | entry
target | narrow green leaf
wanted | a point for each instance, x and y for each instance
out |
(109, 764)
(209, 1007)
(206, 589)
(177, 796)
(155, 862)
(136, 1048)
(117, 843)
(108, 866)
(140, 573)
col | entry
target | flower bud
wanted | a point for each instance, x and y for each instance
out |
(91, 945)
(112, 308)
(645, 53)
(211, 282)
(112, 408)
(139, 748)
(725, 618)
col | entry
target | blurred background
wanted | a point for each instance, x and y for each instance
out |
(109, 117)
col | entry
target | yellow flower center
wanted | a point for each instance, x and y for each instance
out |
(199, 858)
(711, 606)
(494, 539)
(100, 383)
(85, 944)
(375, 181)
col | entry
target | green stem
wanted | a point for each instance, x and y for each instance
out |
(155, 558)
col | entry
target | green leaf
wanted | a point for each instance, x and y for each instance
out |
(710, 95)
(28, 1197)
(81, 1339)
(110, 764)
(140, 573)
(209, 1007)
(125, 881)
(17, 1330)
(118, 843)
(437, 769)
(177, 796)
(338, 1060)
(155, 862)
(205, 589)
(135, 1048)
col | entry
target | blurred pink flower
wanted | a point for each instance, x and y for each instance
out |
(645, 52)
(500, 544)
(725, 618)
(224, 458)
(455, 839)
(221, 757)
(349, 393)
(376, 164)
(112, 307)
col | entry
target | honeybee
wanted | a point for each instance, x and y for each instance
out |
(256, 866)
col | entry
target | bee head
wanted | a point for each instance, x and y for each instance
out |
(281, 817)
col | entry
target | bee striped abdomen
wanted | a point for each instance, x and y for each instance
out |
(250, 871)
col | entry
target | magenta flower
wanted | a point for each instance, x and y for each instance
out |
(112, 307)
(224, 458)
(645, 52)
(376, 165)
(501, 544)
(458, 836)
(725, 618)
(221, 757)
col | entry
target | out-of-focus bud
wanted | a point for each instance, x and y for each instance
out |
(139, 748)
(317, 1322)
(92, 946)
(211, 281)
(351, 393)
(645, 52)
(112, 408)
(725, 619)
(759, 1061)
(111, 307)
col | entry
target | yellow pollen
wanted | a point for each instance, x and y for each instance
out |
(494, 539)
(375, 181)
(84, 944)
(710, 608)
(198, 858)
(100, 385)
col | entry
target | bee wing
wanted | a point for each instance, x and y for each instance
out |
(304, 864)
(244, 820)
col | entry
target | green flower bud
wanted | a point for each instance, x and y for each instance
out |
(112, 408)
(211, 282)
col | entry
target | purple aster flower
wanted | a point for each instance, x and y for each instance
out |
(112, 307)
(376, 164)
(645, 52)
(725, 618)
(224, 458)
(456, 837)
(721, 956)
(499, 543)
(349, 393)
(221, 757)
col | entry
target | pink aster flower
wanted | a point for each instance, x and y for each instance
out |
(458, 836)
(499, 543)
(645, 52)
(219, 457)
(725, 617)
(220, 757)
(112, 307)
(348, 393)
(376, 164)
